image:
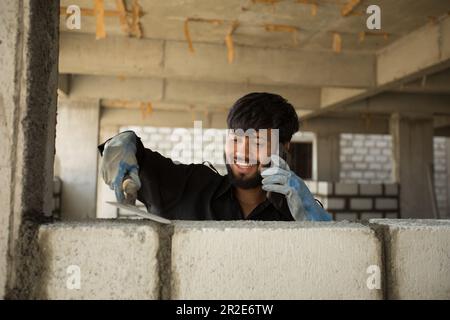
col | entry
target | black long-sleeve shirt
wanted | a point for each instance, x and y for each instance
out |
(193, 191)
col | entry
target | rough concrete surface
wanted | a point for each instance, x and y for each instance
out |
(417, 258)
(116, 260)
(28, 79)
(273, 260)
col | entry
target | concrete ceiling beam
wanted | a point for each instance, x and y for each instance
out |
(212, 94)
(161, 118)
(119, 56)
(413, 104)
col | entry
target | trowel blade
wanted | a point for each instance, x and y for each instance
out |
(139, 212)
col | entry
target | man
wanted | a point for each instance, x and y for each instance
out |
(257, 187)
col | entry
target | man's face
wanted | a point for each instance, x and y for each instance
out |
(247, 154)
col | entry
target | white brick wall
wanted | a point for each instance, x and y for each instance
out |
(178, 144)
(352, 201)
(366, 159)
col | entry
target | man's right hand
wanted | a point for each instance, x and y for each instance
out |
(119, 162)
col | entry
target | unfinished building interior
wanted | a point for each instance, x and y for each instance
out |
(374, 109)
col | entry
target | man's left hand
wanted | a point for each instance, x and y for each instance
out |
(279, 178)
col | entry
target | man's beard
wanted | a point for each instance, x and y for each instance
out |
(244, 182)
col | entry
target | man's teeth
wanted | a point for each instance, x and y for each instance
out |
(245, 165)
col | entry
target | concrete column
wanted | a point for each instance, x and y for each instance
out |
(448, 177)
(328, 156)
(412, 143)
(76, 157)
(28, 81)
(104, 193)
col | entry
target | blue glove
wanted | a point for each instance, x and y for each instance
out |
(119, 161)
(279, 178)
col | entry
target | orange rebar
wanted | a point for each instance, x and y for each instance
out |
(187, 34)
(229, 41)
(283, 28)
(100, 32)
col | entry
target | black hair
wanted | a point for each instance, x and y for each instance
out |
(262, 110)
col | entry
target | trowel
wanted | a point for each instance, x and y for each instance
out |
(130, 194)
(139, 212)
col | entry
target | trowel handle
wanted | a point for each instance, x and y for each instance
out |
(130, 190)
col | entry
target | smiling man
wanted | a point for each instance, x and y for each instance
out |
(259, 184)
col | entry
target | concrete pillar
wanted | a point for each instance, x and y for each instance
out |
(412, 143)
(77, 132)
(104, 193)
(28, 81)
(328, 156)
(448, 177)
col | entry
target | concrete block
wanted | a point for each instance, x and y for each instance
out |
(361, 151)
(115, 260)
(150, 130)
(312, 186)
(374, 151)
(386, 204)
(273, 260)
(347, 166)
(391, 189)
(357, 158)
(371, 189)
(347, 136)
(382, 158)
(356, 175)
(371, 215)
(156, 137)
(334, 203)
(346, 189)
(374, 166)
(344, 216)
(418, 258)
(347, 150)
(165, 130)
(361, 204)
(361, 166)
(324, 188)
(358, 143)
(369, 175)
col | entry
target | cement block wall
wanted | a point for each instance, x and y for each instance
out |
(367, 159)
(354, 201)
(245, 260)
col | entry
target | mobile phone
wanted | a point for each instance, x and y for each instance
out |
(278, 199)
